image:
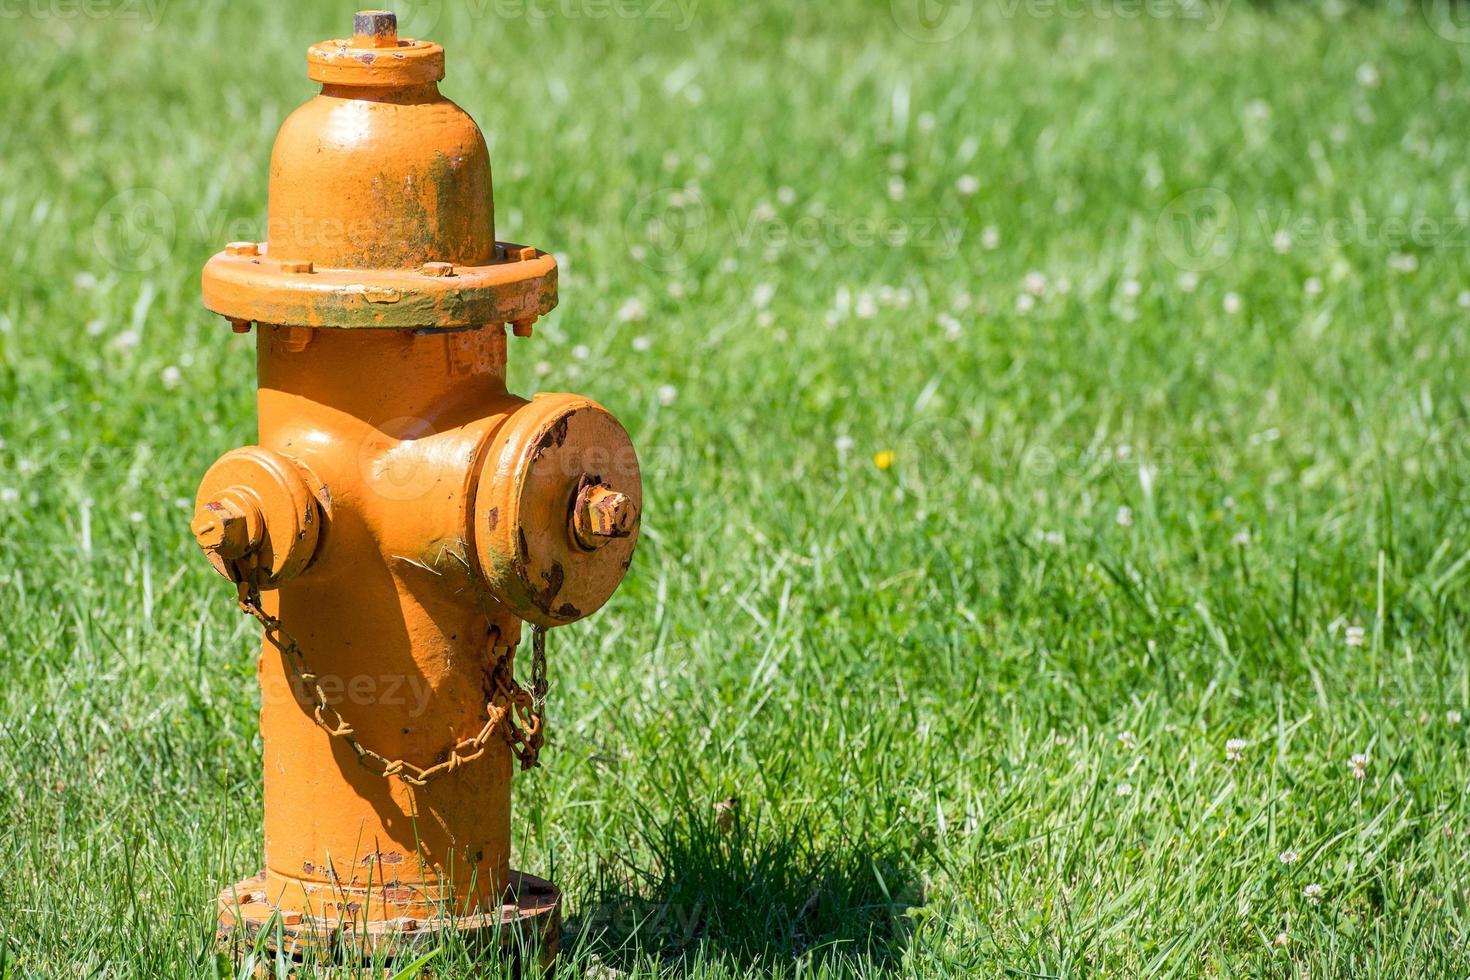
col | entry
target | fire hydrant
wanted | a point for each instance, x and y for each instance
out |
(404, 525)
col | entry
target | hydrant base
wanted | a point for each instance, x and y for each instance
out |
(527, 922)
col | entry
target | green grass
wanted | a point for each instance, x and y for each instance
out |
(976, 723)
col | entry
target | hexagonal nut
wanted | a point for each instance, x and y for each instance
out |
(602, 514)
(223, 527)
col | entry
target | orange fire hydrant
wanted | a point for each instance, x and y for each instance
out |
(403, 517)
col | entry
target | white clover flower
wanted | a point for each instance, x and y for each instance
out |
(990, 238)
(1359, 762)
(9, 495)
(968, 185)
(1124, 789)
(896, 188)
(1025, 303)
(1463, 299)
(95, 328)
(1131, 289)
(1124, 516)
(1281, 241)
(543, 368)
(641, 343)
(1128, 740)
(1313, 893)
(953, 329)
(1053, 537)
(1289, 856)
(1452, 717)
(866, 307)
(136, 517)
(1281, 939)
(1234, 749)
(1188, 281)
(1355, 636)
(1313, 286)
(667, 394)
(1231, 303)
(1403, 262)
(126, 340)
(786, 195)
(843, 443)
(1368, 75)
(171, 377)
(581, 352)
(1242, 538)
(632, 310)
(1034, 283)
(764, 293)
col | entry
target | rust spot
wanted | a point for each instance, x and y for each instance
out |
(308, 868)
(568, 611)
(554, 578)
(554, 437)
(493, 518)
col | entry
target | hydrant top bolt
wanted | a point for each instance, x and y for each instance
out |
(242, 248)
(600, 515)
(223, 527)
(438, 269)
(375, 29)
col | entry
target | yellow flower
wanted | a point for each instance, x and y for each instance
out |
(883, 459)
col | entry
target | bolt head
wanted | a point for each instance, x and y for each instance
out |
(374, 29)
(222, 528)
(242, 248)
(438, 269)
(602, 514)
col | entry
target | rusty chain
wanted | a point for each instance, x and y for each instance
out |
(514, 711)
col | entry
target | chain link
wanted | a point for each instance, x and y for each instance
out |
(513, 711)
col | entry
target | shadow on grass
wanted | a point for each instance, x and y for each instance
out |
(741, 888)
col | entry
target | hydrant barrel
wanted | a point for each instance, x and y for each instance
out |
(403, 517)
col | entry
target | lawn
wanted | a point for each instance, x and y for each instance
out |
(1055, 446)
